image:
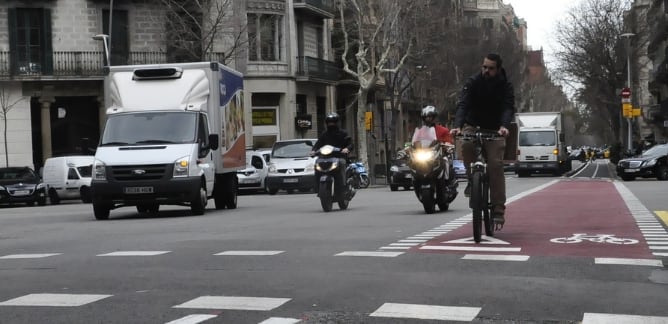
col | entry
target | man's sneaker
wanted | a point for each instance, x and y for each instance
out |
(467, 191)
(499, 220)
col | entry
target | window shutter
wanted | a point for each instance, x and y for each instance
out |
(13, 52)
(47, 61)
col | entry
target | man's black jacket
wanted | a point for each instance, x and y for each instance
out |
(337, 138)
(488, 104)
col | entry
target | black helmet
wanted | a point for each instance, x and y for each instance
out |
(332, 118)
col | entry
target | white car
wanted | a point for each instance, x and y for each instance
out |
(252, 178)
(291, 166)
(68, 177)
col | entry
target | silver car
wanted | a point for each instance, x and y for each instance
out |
(253, 177)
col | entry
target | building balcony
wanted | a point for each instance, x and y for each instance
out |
(317, 70)
(320, 8)
(72, 65)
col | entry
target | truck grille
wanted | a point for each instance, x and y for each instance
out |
(537, 158)
(140, 172)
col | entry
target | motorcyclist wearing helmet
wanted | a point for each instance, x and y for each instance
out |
(337, 137)
(429, 116)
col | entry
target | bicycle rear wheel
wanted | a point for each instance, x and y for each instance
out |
(487, 217)
(476, 203)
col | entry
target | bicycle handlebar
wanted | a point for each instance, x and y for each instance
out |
(483, 135)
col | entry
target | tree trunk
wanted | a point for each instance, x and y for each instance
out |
(362, 153)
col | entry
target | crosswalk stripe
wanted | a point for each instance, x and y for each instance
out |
(495, 257)
(370, 254)
(431, 312)
(29, 256)
(55, 300)
(622, 261)
(192, 319)
(599, 318)
(249, 253)
(134, 253)
(234, 303)
(280, 320)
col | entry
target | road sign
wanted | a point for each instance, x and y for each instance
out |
(626, 93)
(627, 109)
(636, 112)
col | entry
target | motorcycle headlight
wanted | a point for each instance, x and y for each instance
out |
(394, 168)
(423, 156)
(99, 170)
(181, 167)
(331, 167)
(326, 150)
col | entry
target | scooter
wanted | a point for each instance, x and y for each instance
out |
(360, 175)
(328, 168)
(433, 172)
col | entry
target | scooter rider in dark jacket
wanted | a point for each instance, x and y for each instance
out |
(336, 137)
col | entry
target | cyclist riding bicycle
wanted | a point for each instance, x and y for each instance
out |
(487, 102)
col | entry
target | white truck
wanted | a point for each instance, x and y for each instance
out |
(541, 144)
(174, 135)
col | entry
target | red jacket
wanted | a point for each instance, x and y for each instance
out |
(443, 133)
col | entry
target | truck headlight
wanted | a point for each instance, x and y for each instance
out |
(99, 170)
(181, 167)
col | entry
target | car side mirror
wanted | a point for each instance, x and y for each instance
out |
(213, 141)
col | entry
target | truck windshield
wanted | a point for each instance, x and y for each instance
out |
(537, 138)
(150, 128)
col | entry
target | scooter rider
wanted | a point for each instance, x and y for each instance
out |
(336, 137)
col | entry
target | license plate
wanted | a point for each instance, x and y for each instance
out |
(21, 192)
(409, 176)
(290, 180)
(631, 170)
(536, 165)
(138, 190)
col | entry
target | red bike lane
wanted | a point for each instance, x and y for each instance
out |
(568, 218)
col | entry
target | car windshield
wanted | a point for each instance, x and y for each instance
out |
(537, 138)
(150, 128)
(657, 150)
(24, 174)
(85, 171)
(292, 149)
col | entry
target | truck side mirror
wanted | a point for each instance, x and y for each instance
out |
(562, 137)
(213, 141)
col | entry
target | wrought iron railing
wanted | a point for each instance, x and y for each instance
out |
(78, 64)
(315, 68)
(324, 5)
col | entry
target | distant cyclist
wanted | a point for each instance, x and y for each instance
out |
(487, 101)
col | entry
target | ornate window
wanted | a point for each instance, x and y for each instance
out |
(265, 36)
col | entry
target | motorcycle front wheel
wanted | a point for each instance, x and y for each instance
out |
(428, 201)
(364, 181)
(325, 194)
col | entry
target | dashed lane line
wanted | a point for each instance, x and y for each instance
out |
(622, 261)
(599, 318)
(133, 253)
(234, 303)
(192, 319)
(427, 312)
(29, 256)
(250, 253)
(55, 300)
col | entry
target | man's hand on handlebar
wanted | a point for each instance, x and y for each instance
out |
(503, 131)
(455, 131)
(345, 150)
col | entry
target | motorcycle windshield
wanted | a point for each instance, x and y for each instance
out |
(424, 137)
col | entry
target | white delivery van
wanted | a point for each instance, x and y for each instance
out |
(541, 144)
(68, 177)
(174, 135)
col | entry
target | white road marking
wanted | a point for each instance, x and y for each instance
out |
(598, 318)
(281, 320)
(660, 254)
(483, 240)
(471, 248)
(249, 253)
(234, 303)
(657, 242)
(404, 244)
(395, 247)
(192, 319)
(55, 300)
(621, 261)
(412, 241)
(431, 312)
(370, 254)
(134, 253)
(29, 256)
(495, 257)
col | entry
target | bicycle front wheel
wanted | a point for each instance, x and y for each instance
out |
(487, 218)
(477, 204)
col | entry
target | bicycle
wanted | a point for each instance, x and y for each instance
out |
(479, 180)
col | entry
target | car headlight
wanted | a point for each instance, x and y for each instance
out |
(309, 168)
(2, 188)
(99, 170)
(40, 185)
(272, 168)
(650, 163)
(181, 167)
(394, 168)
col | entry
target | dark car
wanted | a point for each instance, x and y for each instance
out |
(651, 163)
(400, 175)
(21, 185)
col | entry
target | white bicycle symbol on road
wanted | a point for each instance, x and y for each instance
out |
(597, 238)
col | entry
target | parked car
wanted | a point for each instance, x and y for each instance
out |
(400, 175)
(21, 185)
(253, 177)
(651, 163)
(460, 169)
(291, 167)
(68, 177)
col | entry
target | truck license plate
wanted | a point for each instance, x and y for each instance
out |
(138, 190)
(290, 180)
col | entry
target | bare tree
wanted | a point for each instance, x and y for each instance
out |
(6, 104)
(591, 59)
(196, 27)
(375, 25)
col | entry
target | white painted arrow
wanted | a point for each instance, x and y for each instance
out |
(483, 240)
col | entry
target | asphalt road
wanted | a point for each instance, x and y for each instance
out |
(280, 259)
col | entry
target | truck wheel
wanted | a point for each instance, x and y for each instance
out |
(231, 193)
(86, 197)
(53, 197)
(199, 203)
(101, 211)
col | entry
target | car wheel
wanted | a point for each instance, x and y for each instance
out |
(662, 172)
(394, 187)
(53, 197)
(628, 178)
(272, 191)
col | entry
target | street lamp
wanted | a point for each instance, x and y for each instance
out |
(628, 81)
(105, 40)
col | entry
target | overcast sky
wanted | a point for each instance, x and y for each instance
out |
(541, 17)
